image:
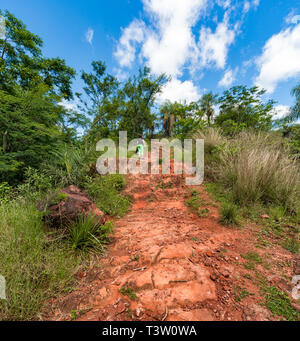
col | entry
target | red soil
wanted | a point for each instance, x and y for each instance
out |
(179, 265)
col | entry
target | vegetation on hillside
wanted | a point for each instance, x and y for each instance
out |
(251, 161)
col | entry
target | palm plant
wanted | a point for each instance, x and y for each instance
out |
(207, 103)
(168, 117)
(295, 110)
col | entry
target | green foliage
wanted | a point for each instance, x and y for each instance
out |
(241, 293)
(87, 235)
(35, 268)
(32, 121)
(229, 214)
(253, 257)
(242, 108)
(35, 184)
(119, 107)
(207, 104)
(291, 136)
(291, 244)
(69, 165)
(295, 110)
(127, 291)
(256, 168)
(5, 193)
(22, 63)
(104, 190)
(279, 303)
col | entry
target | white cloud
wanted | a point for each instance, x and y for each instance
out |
(256, 3)
(224, 3)
(214, 46)
(168, 44)
(292, 19)
(228, 78)
(247, 6)
(280, 59)
(121, 74)
(126, 50)
(68, 105)
(280, 111)
(179, 91)
(89, 36)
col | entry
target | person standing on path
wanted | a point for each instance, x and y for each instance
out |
(140, 146)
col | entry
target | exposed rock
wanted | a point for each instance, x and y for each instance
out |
(68, 205)
(255, 312)
(297, 266)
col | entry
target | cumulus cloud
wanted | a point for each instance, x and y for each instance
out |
(68, 105)
(228, 78)
(126, 50)
(169, 44)
(178, 91)
(280, 111)
(280, 59)
(214, 45)
(89, 36)
(292, 18)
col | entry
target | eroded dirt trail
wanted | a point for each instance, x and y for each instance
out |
(171, 259)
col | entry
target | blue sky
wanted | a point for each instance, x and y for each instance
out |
(205, 45)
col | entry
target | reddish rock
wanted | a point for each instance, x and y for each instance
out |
(67, 206)
(214, 277)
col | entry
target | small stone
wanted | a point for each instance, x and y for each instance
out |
(121, 308)
(213, 277)
(209, 254)
(264, 216)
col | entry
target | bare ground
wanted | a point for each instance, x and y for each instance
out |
(167, 263)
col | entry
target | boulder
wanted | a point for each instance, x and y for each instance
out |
(67, 206)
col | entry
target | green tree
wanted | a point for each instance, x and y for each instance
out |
(101, 101)
(207, 103)
(138, 96)
(29, 129)
(32, 121)
(169, 113)
(189, 118)
(242, 107)
(22, 63)
(295, 110)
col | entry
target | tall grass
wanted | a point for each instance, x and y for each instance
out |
(256, 167)
(34, 268)
(87, 235)
(105, 192)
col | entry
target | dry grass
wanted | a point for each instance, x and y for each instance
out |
(256, 167)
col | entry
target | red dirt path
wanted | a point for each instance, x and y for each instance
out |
(180, 266)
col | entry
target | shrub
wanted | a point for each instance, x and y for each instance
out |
(68, 166)
(212, 139)
(87, 235)
(34, 267)
(228, 214)
(5, 193)
(256, 167)
(104, 190)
